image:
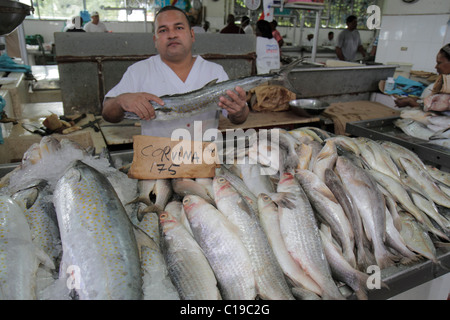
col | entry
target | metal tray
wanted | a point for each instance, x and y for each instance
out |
(384, 129)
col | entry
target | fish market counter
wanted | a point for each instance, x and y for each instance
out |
(123, 132)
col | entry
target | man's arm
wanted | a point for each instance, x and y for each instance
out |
(138, 103)
(362, 50)
(339, 53)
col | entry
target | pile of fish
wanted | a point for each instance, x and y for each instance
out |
(75, 227)
(433, 127)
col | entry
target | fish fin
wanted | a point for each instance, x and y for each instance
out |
(142, 199)
(283, 199)
(144, 240)
(43, 258)
(211, 83)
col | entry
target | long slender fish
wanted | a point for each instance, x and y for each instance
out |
(269, 276)
(99, 245)
(333, 182)
(223, 248)
(270, 221)
(207, 98)
(329, 210)
(301, 236)
(370, 203)
(188, 267)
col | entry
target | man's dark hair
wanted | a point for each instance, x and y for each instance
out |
(169, 8)
(264, 27)
(351, 18)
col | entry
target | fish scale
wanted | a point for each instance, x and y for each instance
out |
(97, 235)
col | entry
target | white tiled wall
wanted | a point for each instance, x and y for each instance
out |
(421, 35)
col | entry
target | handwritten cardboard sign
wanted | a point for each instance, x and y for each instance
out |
(163, 158)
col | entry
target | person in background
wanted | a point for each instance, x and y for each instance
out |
(267, 49)
(231, 26)
(76, 26)
(195, 27)
(349, 41)
(276, 34)
(175, 70)
(206, 26)
(245, 24)
(437, 96)
(95, 25)
(330, 42)
(309, 40)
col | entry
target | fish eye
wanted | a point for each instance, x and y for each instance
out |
(186, 200)
(163, 216)
(221, 180)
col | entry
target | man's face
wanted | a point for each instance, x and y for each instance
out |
(95, 19)
(173, 37)
(442, 64)
(352, 25)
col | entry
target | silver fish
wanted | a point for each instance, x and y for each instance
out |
(269, 276)
(326, 159)
(97, 236)
(371, 206)
(220, 242)
(340, 268)
(41, 217)
(184, 186)
(268, 216)
(156, 282)
(395, 241)
(207, 98)
(423, 178)
(414, 129)
(188, 267)
(301, 236)
(333, 182)
(416, 238)
(330, 211)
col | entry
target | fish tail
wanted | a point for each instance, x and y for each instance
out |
(384, 258)
(282, 75)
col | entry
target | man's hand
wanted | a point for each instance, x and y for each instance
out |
(236, 105)
(138, 103)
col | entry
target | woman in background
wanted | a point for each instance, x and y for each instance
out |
(267, 49)
(438, 97)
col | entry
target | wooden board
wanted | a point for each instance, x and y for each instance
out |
(258, 120)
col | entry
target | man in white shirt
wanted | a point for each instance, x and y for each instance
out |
(95, 25)
(173, 70)
(349, 41)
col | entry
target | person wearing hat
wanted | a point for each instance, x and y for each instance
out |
(95, 25)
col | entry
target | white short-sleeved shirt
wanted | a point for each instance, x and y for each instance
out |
(90, 27)
(267, 55)
(349, 41)
(153, 76)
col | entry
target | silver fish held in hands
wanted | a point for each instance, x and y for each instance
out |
(97, 236)
(207, 98)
